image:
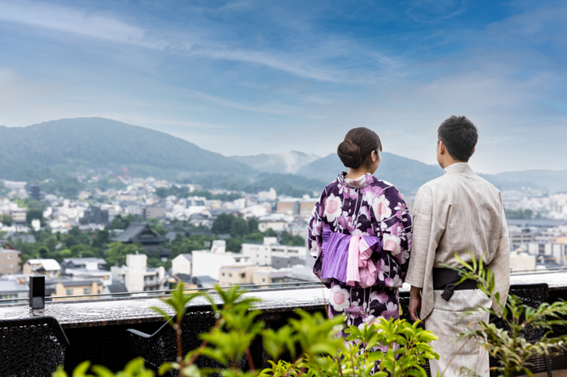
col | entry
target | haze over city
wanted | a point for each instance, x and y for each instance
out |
(251, 77)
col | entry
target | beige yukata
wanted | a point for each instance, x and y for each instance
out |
(457, 212)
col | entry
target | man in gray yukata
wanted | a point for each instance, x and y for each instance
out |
(457, 212)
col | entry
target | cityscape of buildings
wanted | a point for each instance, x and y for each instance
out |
(537, 226)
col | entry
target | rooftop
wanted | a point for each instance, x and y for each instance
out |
(7, 286)
(77, 261)
(47, 264)
(80, 283)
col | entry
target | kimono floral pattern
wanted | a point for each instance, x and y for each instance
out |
(366, 207)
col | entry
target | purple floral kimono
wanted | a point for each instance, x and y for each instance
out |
(372, 209)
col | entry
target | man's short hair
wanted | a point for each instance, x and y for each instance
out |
(459, 135)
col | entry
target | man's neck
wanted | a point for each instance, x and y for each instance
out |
(450, 161)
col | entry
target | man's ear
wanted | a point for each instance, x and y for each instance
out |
(442, 148)
(474, 150)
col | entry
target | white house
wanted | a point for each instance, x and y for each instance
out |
(181, 264)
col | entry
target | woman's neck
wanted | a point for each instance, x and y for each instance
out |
(357, 173)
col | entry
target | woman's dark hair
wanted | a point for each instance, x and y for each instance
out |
(357, 146)
(459, 135)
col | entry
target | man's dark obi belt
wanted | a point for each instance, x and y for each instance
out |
(446, 279)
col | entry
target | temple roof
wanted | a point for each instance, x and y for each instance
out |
(139, 232)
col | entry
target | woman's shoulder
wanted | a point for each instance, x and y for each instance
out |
(331, 187)
(387, 188)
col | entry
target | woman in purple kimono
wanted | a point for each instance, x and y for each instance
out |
(360, 233)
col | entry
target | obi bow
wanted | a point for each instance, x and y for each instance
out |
(360, 268)
(346, 258)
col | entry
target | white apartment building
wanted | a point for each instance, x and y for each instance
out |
(209, 262)
(136, 275)
(266, 253)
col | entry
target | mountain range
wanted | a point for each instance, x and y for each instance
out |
(286, 163)
(76, 145)
(69, 145)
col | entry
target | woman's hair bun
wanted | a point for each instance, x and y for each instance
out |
(349, 153)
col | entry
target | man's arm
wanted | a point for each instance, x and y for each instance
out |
(422, 223)
(500, 264)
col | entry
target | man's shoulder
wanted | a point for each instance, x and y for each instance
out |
(434, 184)
(487, 185)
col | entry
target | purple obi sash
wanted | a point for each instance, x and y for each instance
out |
(347, 258)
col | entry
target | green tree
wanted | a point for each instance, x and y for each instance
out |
(65, 254)
(252, 225)
(117, 251)
(83, 251)
(222, 224)
(157, 226)
(43, 252)
(6, 220)
(271, 233)
(162, 192)
(289, 239)
(234, 244)
(119, 223)
(33, 214)
(51, 242)
(239, 227)
(101, 238)
(519, 214)
(185, 246)
(254, 237)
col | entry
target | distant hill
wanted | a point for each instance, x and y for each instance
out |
(67, 145)
(56, 149)
(282, 163)
(547, 180)
(406, 174)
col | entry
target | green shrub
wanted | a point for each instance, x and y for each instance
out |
(509, 346)
(396, 347)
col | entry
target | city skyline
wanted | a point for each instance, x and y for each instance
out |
(243, 78)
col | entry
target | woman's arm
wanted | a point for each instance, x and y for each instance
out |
(396, 229)
(315, 227)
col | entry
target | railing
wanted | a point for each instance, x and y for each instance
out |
(166, 292)
(254, 287)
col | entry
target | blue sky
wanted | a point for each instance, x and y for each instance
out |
(248, 77)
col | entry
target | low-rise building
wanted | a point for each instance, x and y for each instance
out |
(270, 253)
(181, 264)
(208, 262)
(275, 221)
(137, 276)
(88, 264)
(273, 276)
(13, 289)
(9, 261)
(77, 288)
(297, 207)
(46, 267)
(154, 211)
(239, 275)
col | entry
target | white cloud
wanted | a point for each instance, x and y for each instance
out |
(76, 21)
